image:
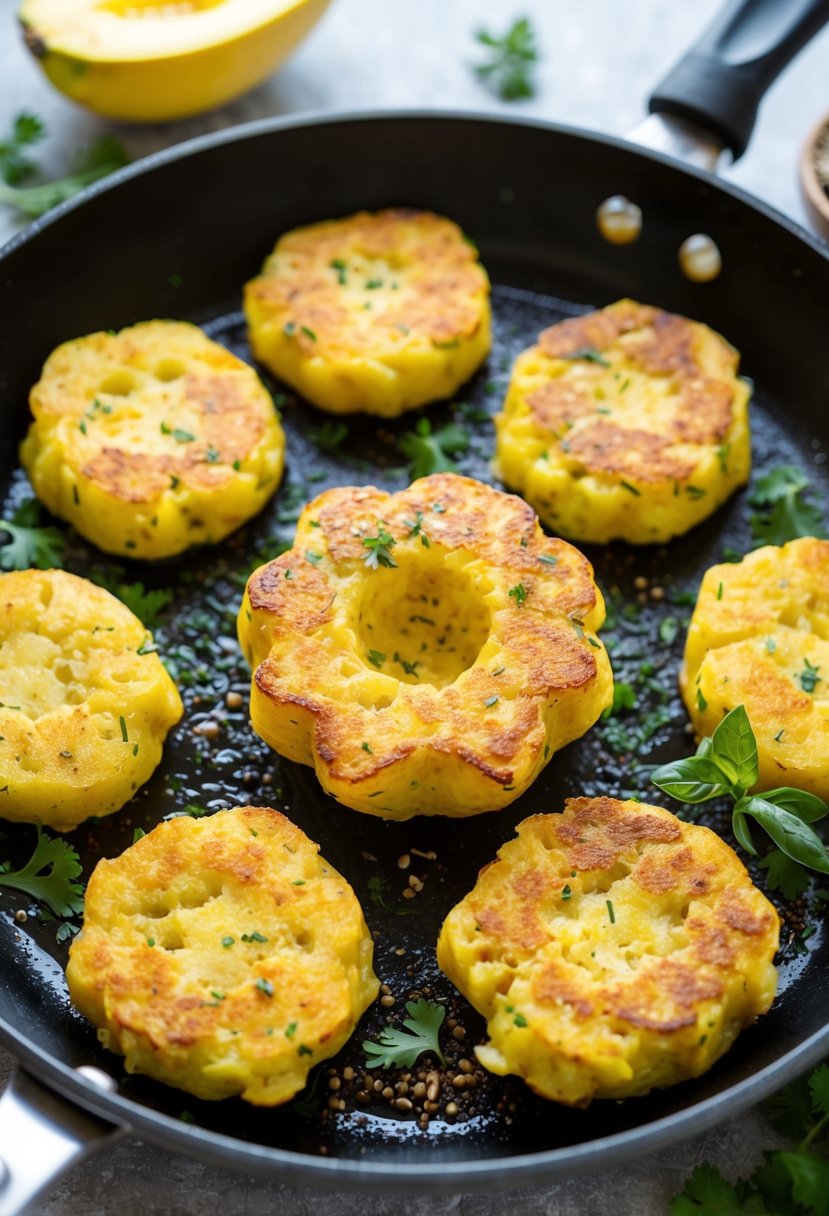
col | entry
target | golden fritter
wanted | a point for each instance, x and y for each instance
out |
(379, 312)
(759, 637)
(625, 424)
(223, 956)
(613, 949)
(152, 440)
(85, 704)
(426, 652)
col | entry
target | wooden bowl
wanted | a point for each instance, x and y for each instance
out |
(814, 175)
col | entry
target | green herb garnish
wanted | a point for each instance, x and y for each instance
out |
(29, 544)
(103, 156)
(329, 435)
(726, 764)
(508, 71)
(589, 355)
(430, 451)
(785, 512)
(790, 1181)
(379, 549)
(624, 697)
(49, 876)
(400, 1048)
(809, 678)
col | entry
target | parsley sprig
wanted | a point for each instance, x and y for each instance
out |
(15, 166)
(329, 435)
(101, 158)
(508, 71)
(431, 451)
(785, 509)
(790, 1182)
(49, 876)
(146, 603)
(399, 1048)
(379, 549)
(726, 764)
(28, 543)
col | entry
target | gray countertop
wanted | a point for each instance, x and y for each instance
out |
(600, 58)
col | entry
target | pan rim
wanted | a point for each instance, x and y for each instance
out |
(216, 1148)
(316, 118)
(465, 1174)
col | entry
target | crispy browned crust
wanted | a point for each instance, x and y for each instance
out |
(152, 970)
(659, 344)
(545, 653)
(444, 280)
(692, 875)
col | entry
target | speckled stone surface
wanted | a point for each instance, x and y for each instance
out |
(599, 60)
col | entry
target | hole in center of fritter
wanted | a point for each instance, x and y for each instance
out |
(421, 621)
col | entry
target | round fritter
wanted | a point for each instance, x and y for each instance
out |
(379, 312)
(425, 651)
(85, 703)
(629, 423)
(152, 440)
(223, 956)
(759, 637)
(613, 949)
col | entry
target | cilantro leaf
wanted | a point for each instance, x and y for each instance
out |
(329, 435)
(429, 451)
(786, 512)
(147, 605)
(809, 1176)
(790, 1109)
(49, 876)
(508, 71)
(29, 544)
(396, 1048)
(784, 874)
(789, 1182)
(707, 1193)
(15, 166)
(819, 1089)
(101, 158)
(624, 697)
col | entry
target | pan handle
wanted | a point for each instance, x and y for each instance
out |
(717, 86)
(41, 1136)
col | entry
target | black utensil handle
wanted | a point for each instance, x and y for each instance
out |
(720, 82)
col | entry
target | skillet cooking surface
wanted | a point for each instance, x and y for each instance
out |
(500, 1119)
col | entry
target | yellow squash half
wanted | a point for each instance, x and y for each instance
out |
(158, 60)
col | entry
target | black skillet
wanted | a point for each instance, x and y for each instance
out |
(176, 235)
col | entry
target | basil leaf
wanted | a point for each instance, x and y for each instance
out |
(734, 748)
(742, 832)
(807, 807)
(696, 779)
(791, 835)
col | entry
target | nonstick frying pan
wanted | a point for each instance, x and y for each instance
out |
(176, 235)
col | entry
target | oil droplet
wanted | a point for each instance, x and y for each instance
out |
(619, 220)
(699, 258)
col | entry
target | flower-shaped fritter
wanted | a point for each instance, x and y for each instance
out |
(427, 651)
